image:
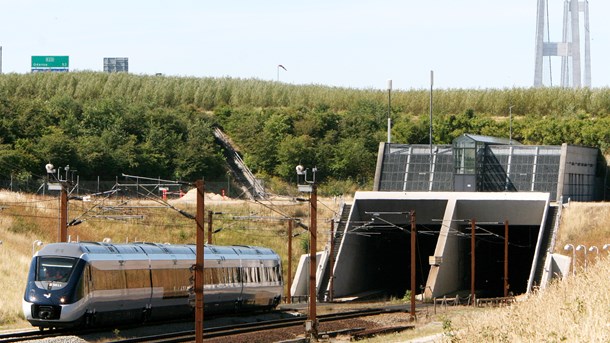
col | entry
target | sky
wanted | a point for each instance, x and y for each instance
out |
(344, 43)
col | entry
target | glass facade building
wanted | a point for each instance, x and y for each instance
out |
(489, 164)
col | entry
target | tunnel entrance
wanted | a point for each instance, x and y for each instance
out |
(489, 258)
(388, 253)
(373, 252)
(387, 256)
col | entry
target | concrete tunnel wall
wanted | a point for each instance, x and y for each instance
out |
(444, 280)
(352, 262)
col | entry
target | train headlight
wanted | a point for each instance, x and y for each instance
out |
(32, 296)
(62, 300)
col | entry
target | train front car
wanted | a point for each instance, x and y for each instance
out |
(54, 291)
(70, 284)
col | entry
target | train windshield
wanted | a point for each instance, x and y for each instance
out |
(56, 269)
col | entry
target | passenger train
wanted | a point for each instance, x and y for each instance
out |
(91, 283)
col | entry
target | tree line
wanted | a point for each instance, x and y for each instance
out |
(107, 124)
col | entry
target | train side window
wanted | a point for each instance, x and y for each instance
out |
(264, 274)
(214, 275)
(270, 274)
(278, 273)
(223, 276)
(235, 275)
(249, 276)
(229, 273)
(82, 286)
(87, 284)
(137, 278)
(244, 274)
(211, 276)
(207, 276)
(174, 282)
(107, 279)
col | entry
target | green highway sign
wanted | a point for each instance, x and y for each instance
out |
(50, 62)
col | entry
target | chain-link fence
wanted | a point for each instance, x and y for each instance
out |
(121, 187)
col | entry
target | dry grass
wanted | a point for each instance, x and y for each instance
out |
(576, 310)
(15, 255)
(585, 223)
(26, 218)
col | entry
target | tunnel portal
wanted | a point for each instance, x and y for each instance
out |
(374, 255)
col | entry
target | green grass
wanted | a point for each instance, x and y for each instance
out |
(211, 93)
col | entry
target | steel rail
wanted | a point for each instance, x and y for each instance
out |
(229, 330)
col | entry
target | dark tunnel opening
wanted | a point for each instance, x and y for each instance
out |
(390, 275)
(388, 267)
(489, 259)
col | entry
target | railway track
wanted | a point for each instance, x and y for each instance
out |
(28, 335)
(231, 330)
(37, 334)
(189, 335)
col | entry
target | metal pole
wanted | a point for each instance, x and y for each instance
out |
(510, 114)
(413, 257)
(431, 87)
(472, 259)
(389, 111)
(210, 214)
(573, 261)
(332, 261)
(506, 258)
(63, 214)
(288, 290)
(313, 202)
(199, 265)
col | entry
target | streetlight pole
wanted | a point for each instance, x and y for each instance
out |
(311, 325)
(63, 213)
(472, 260)
(278, 71)
(35, 244)
(289, 286)
(389, 111)
(584, 249)
(413, 265)
(568, 247)
(313, 205)
(506, 258)
(510, 115)
(332, 261)
(431, 88)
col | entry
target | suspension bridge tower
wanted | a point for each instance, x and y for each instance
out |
(569, 48)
